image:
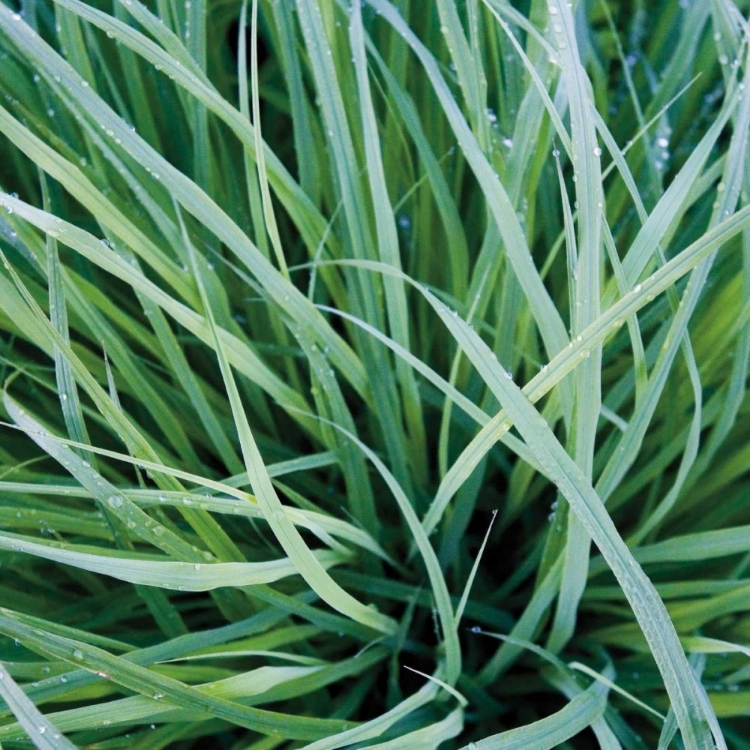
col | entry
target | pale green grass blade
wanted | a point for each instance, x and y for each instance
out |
(586, 294)
(268, 212)
(71, 406)
(388, 247)
(445, 424)
(669, 730)
(706, 545)
(41, 731)
(702, 645)
(251, 170)
(376, 727)
(284, 531)
(612, 686)
(552, 731)
(605, 735)
(430, 736)
(169, 575)
(636, 339)
(467, 590)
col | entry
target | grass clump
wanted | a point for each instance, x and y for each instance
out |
(374, 375)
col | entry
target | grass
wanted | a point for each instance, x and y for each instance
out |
(374, 375)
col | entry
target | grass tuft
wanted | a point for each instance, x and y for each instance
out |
(374, 375)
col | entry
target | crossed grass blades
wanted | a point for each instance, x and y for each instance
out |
(374, 375)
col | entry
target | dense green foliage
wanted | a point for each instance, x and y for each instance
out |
(374, 376)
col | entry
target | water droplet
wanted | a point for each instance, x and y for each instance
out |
(597, 151)
(78, 654)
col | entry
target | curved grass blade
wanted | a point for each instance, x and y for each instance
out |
(147, 571)
(268, 501)
(545, 734)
